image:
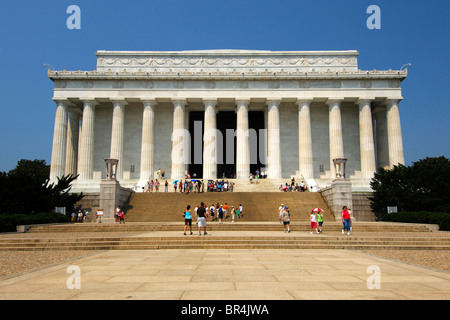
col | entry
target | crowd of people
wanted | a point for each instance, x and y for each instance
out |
(80, 216)
(216, 212)
(294, 187)
(220, 186)
(188, 186)
(191, 185)
(315, 218)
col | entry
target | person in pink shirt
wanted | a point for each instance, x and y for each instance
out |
(346, 220)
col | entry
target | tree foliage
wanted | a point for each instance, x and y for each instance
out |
(424, 186)
(26, 189)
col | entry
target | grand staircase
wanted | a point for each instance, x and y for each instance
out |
(239, 235)
(154, 221)
(257, 206)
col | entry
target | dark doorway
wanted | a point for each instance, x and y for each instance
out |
(196, 129)
(226, 163)
(256, 142)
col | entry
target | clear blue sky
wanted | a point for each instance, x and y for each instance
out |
(34, 32)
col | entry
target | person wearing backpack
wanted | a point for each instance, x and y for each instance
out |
(220, 214)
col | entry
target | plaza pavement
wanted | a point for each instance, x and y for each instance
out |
(230, 274)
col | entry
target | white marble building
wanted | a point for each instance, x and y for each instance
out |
(305, 108)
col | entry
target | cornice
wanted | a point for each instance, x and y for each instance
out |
(249, 74)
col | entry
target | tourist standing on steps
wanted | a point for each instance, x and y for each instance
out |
(201, 219)
(320, 220)
(188, 219)
(225, 210)
(121, 216)
(116, 214)
(286, 217)
(280, 210)
(346, 220)
(313, 220)
(211, 211)
(220, 214)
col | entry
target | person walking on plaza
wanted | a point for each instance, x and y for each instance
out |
(346, 220)
(201, 219)
(286, 217)
(233, 212)
(188, 219)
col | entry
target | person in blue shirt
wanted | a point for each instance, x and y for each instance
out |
(188, 219)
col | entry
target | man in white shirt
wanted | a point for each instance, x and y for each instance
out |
(313, 220)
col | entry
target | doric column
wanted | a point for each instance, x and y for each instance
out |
(57, 167)
(117, 135)
(382, 154)
(273, 139)
(242, 135)
(86, 148)
(210, 141)
(305, 157)
(394, 130)
(335, 133)
(366, 142)
(72, 141)
(179, 152)
(148, 139)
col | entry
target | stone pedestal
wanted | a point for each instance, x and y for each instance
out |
(109, 199)
(111, 193)
(341, 196)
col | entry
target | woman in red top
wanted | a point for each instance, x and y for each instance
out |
(345, 215)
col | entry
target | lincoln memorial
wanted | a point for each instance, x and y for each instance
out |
(226, 113)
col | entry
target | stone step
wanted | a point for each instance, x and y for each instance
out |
(227, 226)
(231, 240)
(231, 245)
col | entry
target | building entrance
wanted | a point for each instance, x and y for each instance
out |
(226, 144)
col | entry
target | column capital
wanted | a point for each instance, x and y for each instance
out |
(331, 102)
(210, 102)
(392, 101)
(303, 101)
(179, 101)
(90, 101)
(364, 101)
(242, 102)
(119, 101)
(272, 101)
(65, 101)
(151, 101)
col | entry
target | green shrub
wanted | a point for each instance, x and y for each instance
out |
(8, 222)
(440, 218)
